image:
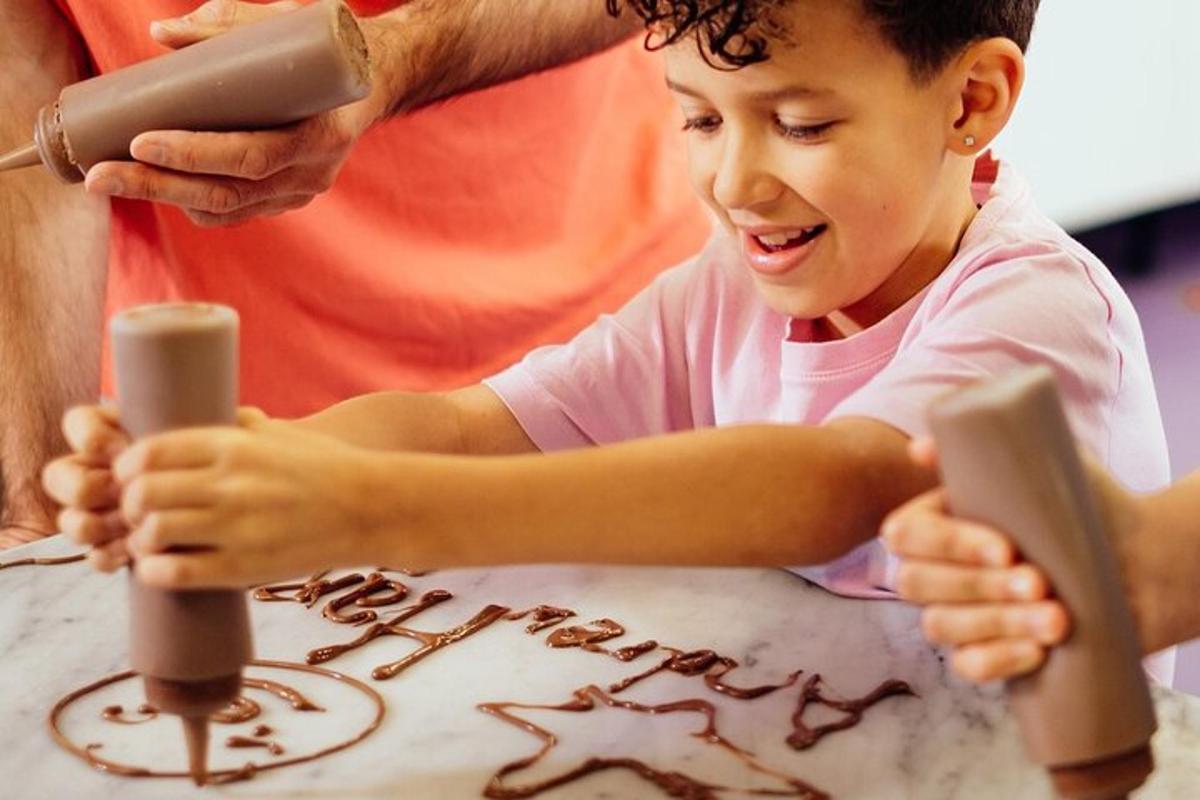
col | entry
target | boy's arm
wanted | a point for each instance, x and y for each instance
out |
(471, 421)
(752, 495)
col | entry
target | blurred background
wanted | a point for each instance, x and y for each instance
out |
(1108, 134)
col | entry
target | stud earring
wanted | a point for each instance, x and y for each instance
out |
(969, 140)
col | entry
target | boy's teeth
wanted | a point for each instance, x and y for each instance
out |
(780, 239)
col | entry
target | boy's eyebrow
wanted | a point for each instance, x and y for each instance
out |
(772, 96)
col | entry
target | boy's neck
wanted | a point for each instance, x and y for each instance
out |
(923, 264)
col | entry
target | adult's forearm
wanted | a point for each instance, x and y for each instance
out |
(52, 266)
(1167, 551)
(433, 49)
(763, 495)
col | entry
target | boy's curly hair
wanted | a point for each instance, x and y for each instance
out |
(928, 32)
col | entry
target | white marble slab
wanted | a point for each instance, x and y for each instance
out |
(64, 627)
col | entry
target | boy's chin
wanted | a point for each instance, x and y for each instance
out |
(793, 302)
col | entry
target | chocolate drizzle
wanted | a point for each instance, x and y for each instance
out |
(364, 597)
(44, 562)
(297, 700)
(117, 714)
(543, 617)
(675, 784)
(804, 737)
(274, 748)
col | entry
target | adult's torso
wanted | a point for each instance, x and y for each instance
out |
(455, 239)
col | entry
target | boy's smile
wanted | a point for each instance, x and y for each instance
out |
(829, 163)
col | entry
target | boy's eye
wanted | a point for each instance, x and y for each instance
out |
(804, 133)
(702, 124)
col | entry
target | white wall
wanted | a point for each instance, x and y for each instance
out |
(1109, 123)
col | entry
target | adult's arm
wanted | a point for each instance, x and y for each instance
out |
(422, 52)
(53, 245)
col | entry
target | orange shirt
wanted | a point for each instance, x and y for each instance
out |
(455, 240)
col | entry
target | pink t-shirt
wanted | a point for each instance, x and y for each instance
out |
(700, 348)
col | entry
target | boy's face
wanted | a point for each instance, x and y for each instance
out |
(827, 162)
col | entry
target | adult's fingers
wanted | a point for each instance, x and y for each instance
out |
(267, 208)
(923, 452)
(212, 18)
(922, 528)
(998, 659)
(1044, 621)
(925, 583)
(253, 155)
(212, 194)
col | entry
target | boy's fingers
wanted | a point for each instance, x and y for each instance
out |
(926, 582)
(1045, 622)
(999, 659)
(161, 530)
(190, 448)
(109, 557)
(86, 527)
(209, 569)
(94, 433)
(72, 481)
(925, 531)
(165, 491)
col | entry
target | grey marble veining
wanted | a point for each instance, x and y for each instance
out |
(64, 627)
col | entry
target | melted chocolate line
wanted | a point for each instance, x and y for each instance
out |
(308, 592)
(274, 748)
(674, 784)
(263, 730)
(362, 597)
(240, 709)
(586, 637)
(329, 652)
(44, 562)
(297, 701)
(219, 776)
(804, 737)
(432, 642)
(543, 617)
(116, 714)
(412, 573)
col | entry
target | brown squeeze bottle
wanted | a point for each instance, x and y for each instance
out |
(1008, 459)
(176, 367)
(269, 73)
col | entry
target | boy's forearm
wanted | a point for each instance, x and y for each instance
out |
(1168, 561)
(763, 495)
(433, 49)
(471, 421)
(52, 267)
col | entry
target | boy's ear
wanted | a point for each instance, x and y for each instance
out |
(987, 80)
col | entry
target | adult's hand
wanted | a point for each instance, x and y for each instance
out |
(228, 178)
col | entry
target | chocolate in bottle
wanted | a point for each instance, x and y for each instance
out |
(1008, 459)
(176, 367)
(268, 73)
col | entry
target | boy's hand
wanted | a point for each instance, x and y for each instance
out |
(228, 178)
(993, 609)
(235, 506)
(83, 484)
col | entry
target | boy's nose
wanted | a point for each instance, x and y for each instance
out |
(742, 179)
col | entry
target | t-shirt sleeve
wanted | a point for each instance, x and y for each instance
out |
(623, 377)
(1045, 308)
